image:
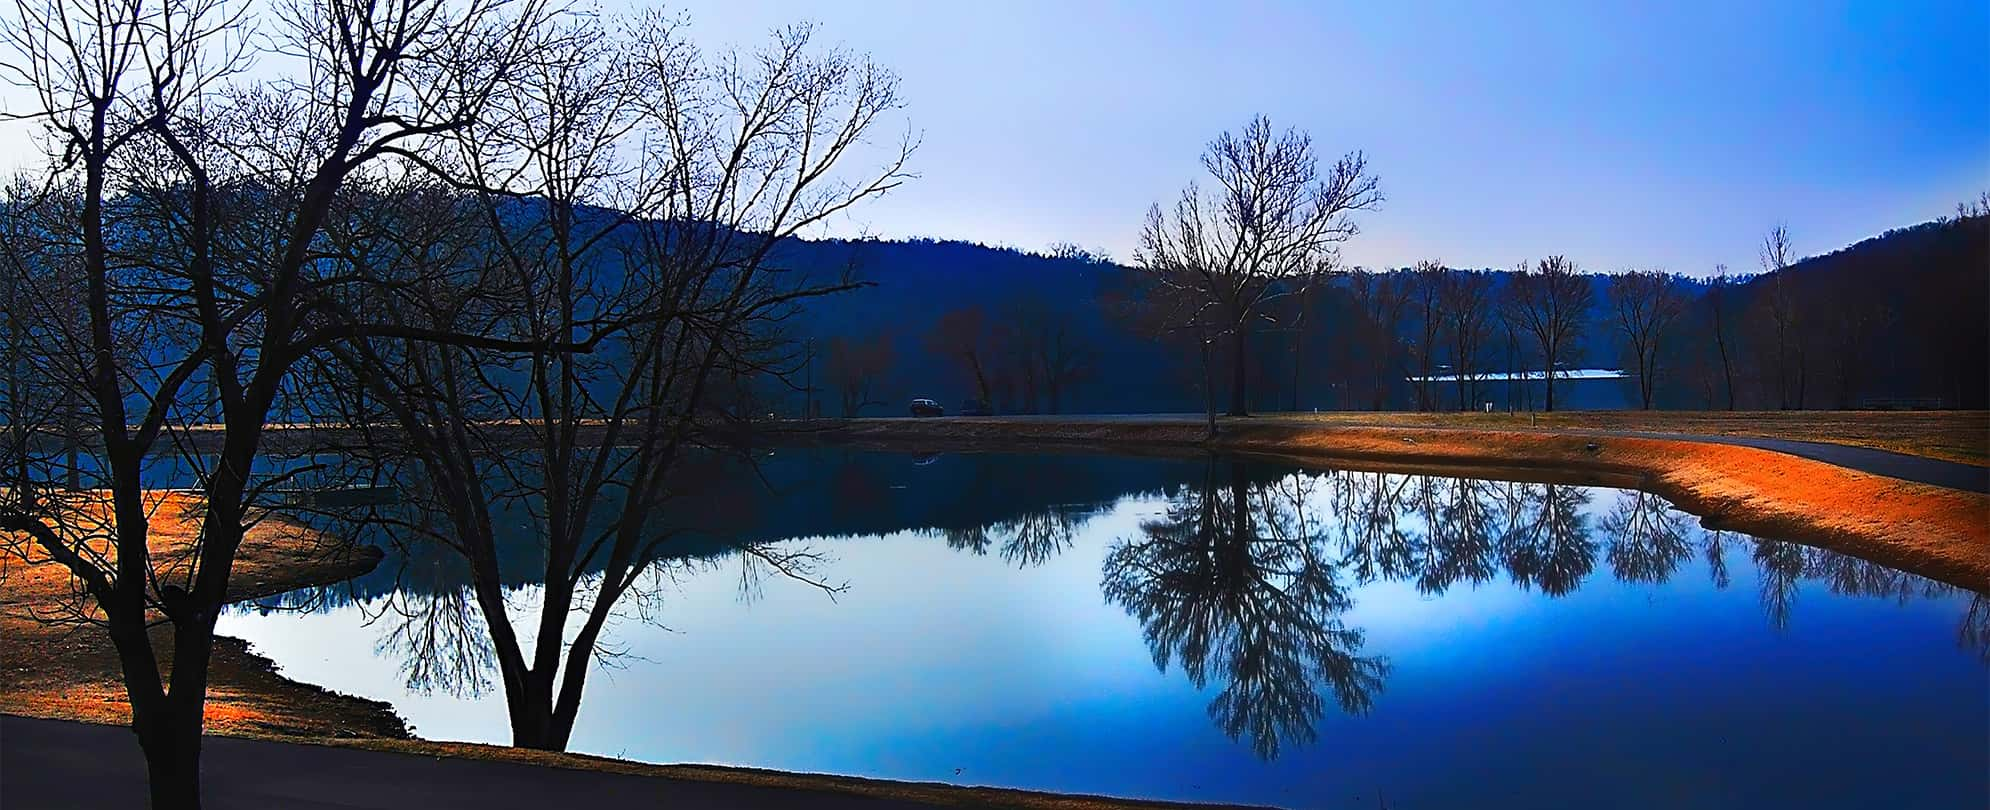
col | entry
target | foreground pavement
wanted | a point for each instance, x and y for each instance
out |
(61, 765)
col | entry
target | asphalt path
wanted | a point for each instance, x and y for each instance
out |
(60, 765)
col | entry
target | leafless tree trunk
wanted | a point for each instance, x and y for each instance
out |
(1465, 301)
(662, 261)
(1271, 226)
(1776, 258)
(192, 211)
(1644, 305)
(1381, 298)
(964, 334)
(1549, 304)
(1426, 283)
(1717, 291)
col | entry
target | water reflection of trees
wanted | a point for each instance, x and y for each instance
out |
(1241, 581)
(1647, 538)
(1233, 585)
(1026, 541)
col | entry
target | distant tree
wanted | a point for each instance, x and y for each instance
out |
(1644, 304)
(1072, 251)
(1269, 228)
(853, 368)
(1426, 286)
(1465, 300)
(1776, 257)
(1973, 208)
(1718, 290)
(1848, 328)
(963, 335)
(1046, 349)
(1549, 304)
(1064, 356)
(1515, 344)
(1381, 299)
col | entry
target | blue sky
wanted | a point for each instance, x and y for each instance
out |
(1623, 135)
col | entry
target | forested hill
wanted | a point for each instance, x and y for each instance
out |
(1896, 319)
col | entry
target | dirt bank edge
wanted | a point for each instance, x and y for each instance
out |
(1936, 532)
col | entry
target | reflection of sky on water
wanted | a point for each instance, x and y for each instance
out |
(936, 659)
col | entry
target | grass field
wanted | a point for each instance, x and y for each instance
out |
(1950, 435)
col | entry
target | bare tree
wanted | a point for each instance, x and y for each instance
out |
(1465, 301)
(1270, 227)
(1051, 349)
(1718, 288)
(1644, 304)
(853, 369)
(633, 193)
(1381, 298)
(193, 195)
(1549, 304)
(1426, 282)
(963, 334)
(1777, 256)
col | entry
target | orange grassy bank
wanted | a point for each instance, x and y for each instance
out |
(1939, 533)
(57, 667)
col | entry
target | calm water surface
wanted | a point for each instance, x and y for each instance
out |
(1224, 631)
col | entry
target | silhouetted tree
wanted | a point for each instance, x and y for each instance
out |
(1643, 306)
(1776, 257)
(963, 334)
(1465, 300)
(1267, 231)
(1426, 284)
(854, 368)
(1549, 304)
(1381, 298)
(1718, 290)
(664, 256)
(1047, 349)
(192, 180)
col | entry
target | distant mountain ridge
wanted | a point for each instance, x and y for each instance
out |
(1912, 299)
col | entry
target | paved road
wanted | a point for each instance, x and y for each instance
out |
(1920, 469)
(61, 765)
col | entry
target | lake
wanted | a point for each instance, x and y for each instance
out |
(1225, 630)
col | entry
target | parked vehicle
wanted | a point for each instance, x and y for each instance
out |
(975, 407)
(927, 407)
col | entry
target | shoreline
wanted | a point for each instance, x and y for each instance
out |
(1935, 532)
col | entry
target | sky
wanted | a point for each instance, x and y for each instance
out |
(1623, 135)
